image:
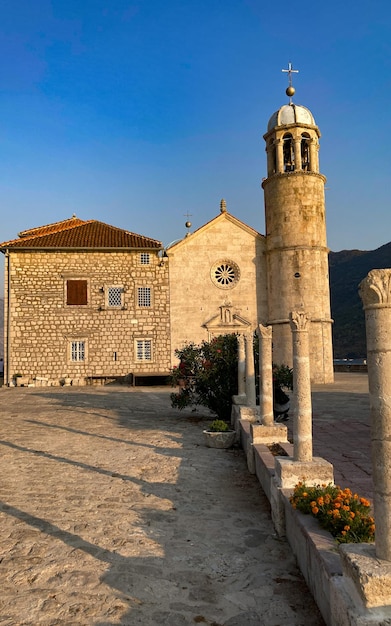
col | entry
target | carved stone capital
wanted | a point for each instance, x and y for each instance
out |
(248, 337)
(375, 289)
(265, 332)
(298, 321)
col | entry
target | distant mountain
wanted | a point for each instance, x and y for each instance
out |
(347, 269)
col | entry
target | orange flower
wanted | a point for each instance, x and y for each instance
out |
(315, 510)
(337, 504)
(352, 514)
(346, 527)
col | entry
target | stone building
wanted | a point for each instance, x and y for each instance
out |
(86, 300)
(217, 280)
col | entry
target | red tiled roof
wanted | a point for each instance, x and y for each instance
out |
(75, 233)
(51, 228)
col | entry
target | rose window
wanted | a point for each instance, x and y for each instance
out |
(225, 274)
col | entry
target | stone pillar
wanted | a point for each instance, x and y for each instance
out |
(279, 157)
(375, 292)
(313, 156)
(297, 149)
(241, 366)
(250, 370)
(302, 417)
(265, 375)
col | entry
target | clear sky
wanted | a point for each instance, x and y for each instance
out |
(137, 113)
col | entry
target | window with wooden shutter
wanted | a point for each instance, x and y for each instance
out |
(76, 292)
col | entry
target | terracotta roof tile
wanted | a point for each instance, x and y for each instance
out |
(51, 228)
(83, 235)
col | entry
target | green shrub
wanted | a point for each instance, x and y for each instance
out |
(207, 375)
(219, 426)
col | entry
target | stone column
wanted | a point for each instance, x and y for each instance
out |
(302, 417)
(279, 156)
(241, 366)
(250, 370)
(313, 156)
(265, 375)
(297, 148)
(375, 292)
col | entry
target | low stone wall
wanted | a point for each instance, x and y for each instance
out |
(317, 553)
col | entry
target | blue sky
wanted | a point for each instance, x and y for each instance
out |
(137, 113)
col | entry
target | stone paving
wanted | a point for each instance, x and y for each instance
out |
(112, 511)
(341, 430)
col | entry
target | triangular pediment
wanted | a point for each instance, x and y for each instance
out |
(225, 216)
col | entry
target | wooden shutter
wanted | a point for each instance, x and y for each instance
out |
(76, 292)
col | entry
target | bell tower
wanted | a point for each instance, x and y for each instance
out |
(296, 247)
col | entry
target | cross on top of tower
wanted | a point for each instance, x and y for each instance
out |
(290, 89)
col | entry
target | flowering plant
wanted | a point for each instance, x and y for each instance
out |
(344, 514)
(207, 375)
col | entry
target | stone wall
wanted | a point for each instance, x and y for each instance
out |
(297, 262)
(43, 326)
(201, 307)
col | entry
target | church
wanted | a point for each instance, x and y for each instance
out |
(87, 302)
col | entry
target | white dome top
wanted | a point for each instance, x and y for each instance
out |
(291, 114)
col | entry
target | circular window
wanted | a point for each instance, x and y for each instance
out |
(225, 274)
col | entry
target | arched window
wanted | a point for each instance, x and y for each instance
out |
(289, 153)
(272, 161)
(305, 152)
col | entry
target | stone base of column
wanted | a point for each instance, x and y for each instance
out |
(268, 434)
(371, 577)
(315, 472)
(249, 413)
(241, 399)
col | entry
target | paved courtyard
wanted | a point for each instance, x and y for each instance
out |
(114, 512)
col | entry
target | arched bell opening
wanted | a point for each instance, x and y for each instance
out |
(305, 152)
(288, 153)
(271, 158)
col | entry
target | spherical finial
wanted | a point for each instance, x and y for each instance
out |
(290, 91)
(223, 206)
(188, 224)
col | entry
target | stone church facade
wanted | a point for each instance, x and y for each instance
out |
(85, 301)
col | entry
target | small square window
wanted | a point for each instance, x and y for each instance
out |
(144, 350)
(78, 351)
(115, 296)
(144, 296)
(145, 258)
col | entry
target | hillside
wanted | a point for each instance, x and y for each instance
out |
(1, 327)
(347, 269)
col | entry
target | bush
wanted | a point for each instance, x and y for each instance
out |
(207, 375)
(218, 426)
(345, 515)
(282, 376)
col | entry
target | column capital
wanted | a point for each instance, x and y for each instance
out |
(375, 289)
(298, 321)
(264, 331)
(248, 336)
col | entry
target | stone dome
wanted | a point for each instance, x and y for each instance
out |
(291, 114)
